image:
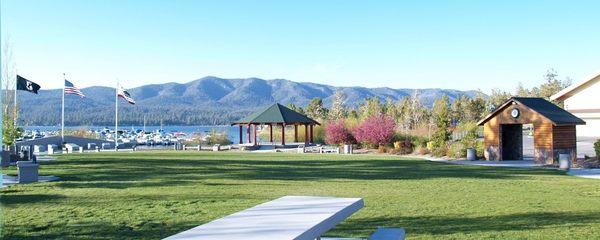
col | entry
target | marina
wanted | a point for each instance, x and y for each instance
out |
(140, 135)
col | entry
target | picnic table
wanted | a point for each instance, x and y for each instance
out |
(289, 217)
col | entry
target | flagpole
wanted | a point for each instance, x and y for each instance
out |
(116, 115)
(62, 128)
(15, 111)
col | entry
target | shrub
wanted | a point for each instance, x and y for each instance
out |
(480, 148)
(318, 134)
(381, 149)
(417, 141)
(597, 148)
(217, 138)
(439, 151)
(457, 150)
(376, 130)
(403, 147)
(470, 129)
(421, 150)
(336, 132)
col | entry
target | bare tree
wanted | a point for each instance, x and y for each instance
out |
(9, 108)
(338, 108)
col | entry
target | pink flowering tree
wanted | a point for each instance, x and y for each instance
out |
(377, 130)
(336, 132)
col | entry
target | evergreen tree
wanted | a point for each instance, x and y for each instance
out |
(316, 110)
(477, 108)
(371, 107)
(498, 97)
(442, 134)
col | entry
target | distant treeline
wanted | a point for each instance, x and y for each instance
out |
(131, 116)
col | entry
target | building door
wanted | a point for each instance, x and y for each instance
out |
(512, 141)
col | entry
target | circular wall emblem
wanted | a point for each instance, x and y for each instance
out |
(515, 113)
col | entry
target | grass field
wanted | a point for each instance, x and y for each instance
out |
(149, 195)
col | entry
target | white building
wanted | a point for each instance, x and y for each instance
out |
(583, 101)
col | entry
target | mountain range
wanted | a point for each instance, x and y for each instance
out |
(205, 101)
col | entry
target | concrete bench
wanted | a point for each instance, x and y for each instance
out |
(107, 146)
(216, 147)
(28, 171)
(388, 234)
(52, 148)
(91, 146)
(39, 148)
(289, 217)
(72, 147)
(197, 148)
(330, 149)
(312, 149)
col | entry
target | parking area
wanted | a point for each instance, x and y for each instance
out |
(585, 146)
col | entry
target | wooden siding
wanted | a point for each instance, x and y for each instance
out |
(542, 135)
(491, 134)
(565, 137)
(527, 116)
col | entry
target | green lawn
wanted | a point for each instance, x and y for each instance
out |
(149, 195)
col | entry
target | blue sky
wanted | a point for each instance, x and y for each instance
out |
(398, 44)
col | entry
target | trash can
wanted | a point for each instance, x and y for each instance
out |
(471, 154)
(348, 149)
(564, 161)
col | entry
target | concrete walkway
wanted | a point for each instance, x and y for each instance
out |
(11, 180)
(585, 173)
(512, 163)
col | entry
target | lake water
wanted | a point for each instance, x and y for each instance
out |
(232, 131)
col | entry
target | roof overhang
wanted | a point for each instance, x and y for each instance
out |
(512, 101)
(575, 88)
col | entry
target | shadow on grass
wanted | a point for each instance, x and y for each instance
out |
(9, 199)
(444, 225)
(142, 170)
(97, 229)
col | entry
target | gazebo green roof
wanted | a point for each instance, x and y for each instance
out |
(277, 114)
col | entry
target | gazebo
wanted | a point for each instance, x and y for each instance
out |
(276, 114)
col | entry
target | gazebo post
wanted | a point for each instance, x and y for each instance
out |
(248, 133)
(241, 134)
(305, 134)
(295, 132)
(311, 134)
(271, 132)
(255, 142)
(283, 134)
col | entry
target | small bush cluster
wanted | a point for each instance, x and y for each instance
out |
(377, 130)
(217, 138)
(337, 133)
(457, 150)
(403, 147)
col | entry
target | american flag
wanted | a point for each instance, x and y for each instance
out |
(125, 95)
(71, 89)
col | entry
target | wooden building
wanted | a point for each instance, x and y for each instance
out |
(276, 115)
(554, 130)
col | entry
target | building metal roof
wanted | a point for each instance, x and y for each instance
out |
(551, 111)
(278, 114)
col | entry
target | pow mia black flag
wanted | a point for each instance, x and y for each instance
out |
(26, 85)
